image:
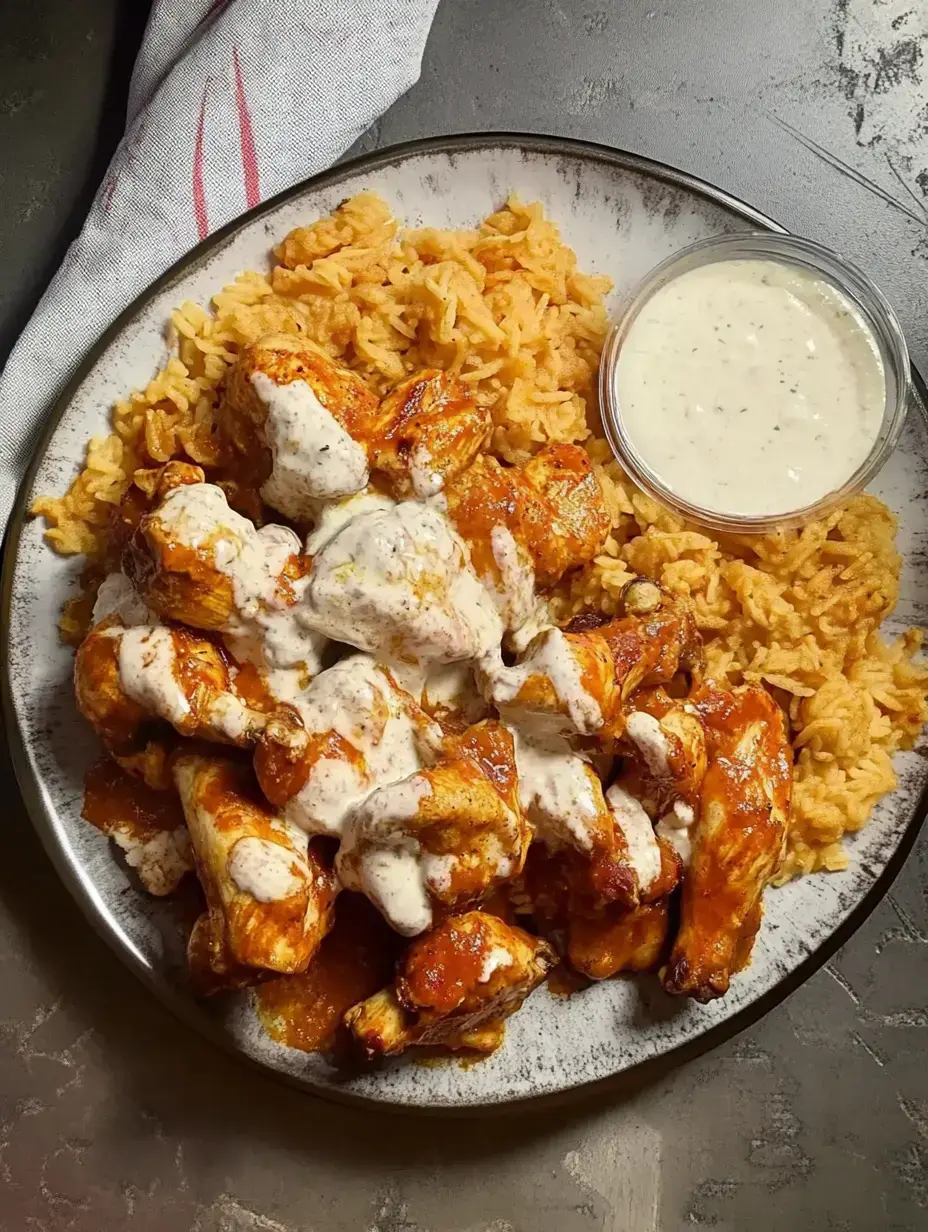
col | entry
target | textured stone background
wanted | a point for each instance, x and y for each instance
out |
(112, 1115)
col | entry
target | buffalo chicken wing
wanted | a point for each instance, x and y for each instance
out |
(453, 986)
(738, 840)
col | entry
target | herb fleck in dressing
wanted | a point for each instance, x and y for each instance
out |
(750, 387)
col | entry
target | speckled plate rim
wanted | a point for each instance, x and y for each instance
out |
(45, 825)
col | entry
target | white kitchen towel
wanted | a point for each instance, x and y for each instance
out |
(231, 101)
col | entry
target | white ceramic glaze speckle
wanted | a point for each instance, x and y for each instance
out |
(622, 217)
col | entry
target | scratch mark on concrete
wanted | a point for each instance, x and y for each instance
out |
(842, 983)
(919, 205)
(909, 927)
(870, 1051)
(625, 1173)
(845, 169)
(917, 1113)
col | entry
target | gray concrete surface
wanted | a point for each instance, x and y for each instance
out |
(113, 1116)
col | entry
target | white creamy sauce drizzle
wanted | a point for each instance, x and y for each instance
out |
(314, 458)
(230, 717)
(392, 881)
(676, 827)
(750, 387)
(425, 479)
(264, 629)
(496, 960)
(333, 516)
(356, 699)
(382, 859)
(266, 870)
(524, 613)
(550, 655)
(555, 790)
(397, 583)
(146, 671)
(644, 854)
(118, 597)
(451, 687)
(648, 737)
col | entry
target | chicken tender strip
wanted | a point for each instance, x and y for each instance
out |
(577, 680)
(452, 984)
(269, 896)
(194, 560)
(526, 526)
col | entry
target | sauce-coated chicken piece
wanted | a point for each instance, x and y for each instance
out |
(269, 895)
(302, 424)
(442, 838)
(353, 729)
(664, 763)
(527, 525)
(196, 561)
(452, 986)
(130, 669)
(563, 683)
(738, 840)
(147, 825)
(432, 431)
(395, 581)
(578, 680)
(620, 941)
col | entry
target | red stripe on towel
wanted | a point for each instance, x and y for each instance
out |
(249, 156)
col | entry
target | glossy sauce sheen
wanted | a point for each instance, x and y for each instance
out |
(115, 800)
(750, 387)
(355, 960)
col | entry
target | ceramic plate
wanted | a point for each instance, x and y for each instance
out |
(622, 215)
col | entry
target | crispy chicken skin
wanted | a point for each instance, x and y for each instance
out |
(606, 939)
(269, 895)
(455, 829)
(183, 678)
(738, 840)
(433, 429)
(553, 507)
(452, 985)
(631, 941)
(283, 359)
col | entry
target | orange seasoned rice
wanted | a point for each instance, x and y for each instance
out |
(505, 307)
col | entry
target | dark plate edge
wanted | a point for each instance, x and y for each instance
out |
(183, 1008)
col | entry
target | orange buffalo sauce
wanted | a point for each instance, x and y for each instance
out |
(355, 960)
(115, 800)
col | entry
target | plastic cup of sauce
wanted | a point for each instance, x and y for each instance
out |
(754, 381)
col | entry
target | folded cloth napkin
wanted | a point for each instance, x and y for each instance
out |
(231, 101)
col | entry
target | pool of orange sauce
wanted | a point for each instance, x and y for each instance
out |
(115, 800)
(355, 960)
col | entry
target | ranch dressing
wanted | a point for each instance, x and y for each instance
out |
(750, 387)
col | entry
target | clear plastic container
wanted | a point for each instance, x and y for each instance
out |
(823, 264)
